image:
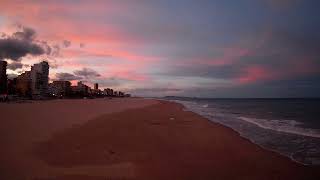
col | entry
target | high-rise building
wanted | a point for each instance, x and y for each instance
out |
(39, 78)
(96, 86)
(23, 84)
(60, 88)
(3, 77)
(82, 88)
(108, 92)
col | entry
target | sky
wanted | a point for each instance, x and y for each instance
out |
(207, 48)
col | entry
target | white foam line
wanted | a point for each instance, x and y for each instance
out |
(282, 128)
(290, 156)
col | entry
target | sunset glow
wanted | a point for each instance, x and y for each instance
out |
(139, 45)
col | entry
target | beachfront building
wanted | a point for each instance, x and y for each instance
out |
(3, 77)
(11, 89)
(95, 91)
(23, 84)
(60, 88)
(80, 90)
(82, 87)
(115, 93)
(121, 94)
(39, 79)
(96, 86)
(108, 92)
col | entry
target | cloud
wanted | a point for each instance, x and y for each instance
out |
(15, 65)
(109, 82)
(66, 43)
(55, 50)
(20, 44)
(87, 73)
(27, 33)
(12, 76)
(67, 77)
(83, 74)
(14, 49)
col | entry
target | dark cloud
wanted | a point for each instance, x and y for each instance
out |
(87, 73)
(46, 47)
(14, 49)
(24, 42)
(27, 33)
(107, 82)
(67, 77)
(20, 44)
(15, 65)
(290, 88)
(283, 54)
(66, 43)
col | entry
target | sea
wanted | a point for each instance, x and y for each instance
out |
(290, 127)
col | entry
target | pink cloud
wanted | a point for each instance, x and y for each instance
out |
(131, 75)
(254, 73)
(298, 67)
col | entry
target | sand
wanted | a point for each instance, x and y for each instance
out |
(129, 139)
(23, 124)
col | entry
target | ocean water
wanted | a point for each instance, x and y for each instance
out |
(290, 127)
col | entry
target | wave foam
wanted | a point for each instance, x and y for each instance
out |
(287, 126)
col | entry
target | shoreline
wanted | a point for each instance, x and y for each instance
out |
(157, 140)
(247, 138)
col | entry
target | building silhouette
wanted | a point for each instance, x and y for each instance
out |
(35, 84)
(3, 77)
(60, 88)
(108, 92)
(80, 90)
(23, 84)
(39, 79)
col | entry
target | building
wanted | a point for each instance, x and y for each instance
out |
(96, 86)
(108, 92)
(23, 84)
(121, 94)
(80, 90)
(39, 78)
(82, 87)
(12, 86)
(60, 88)
(3, 77)
(115, 93)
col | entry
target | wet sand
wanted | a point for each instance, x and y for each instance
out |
(133, 139)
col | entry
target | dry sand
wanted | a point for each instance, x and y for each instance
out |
(23, 124)
(129, 139)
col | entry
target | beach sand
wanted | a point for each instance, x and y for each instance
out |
(129, 138)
